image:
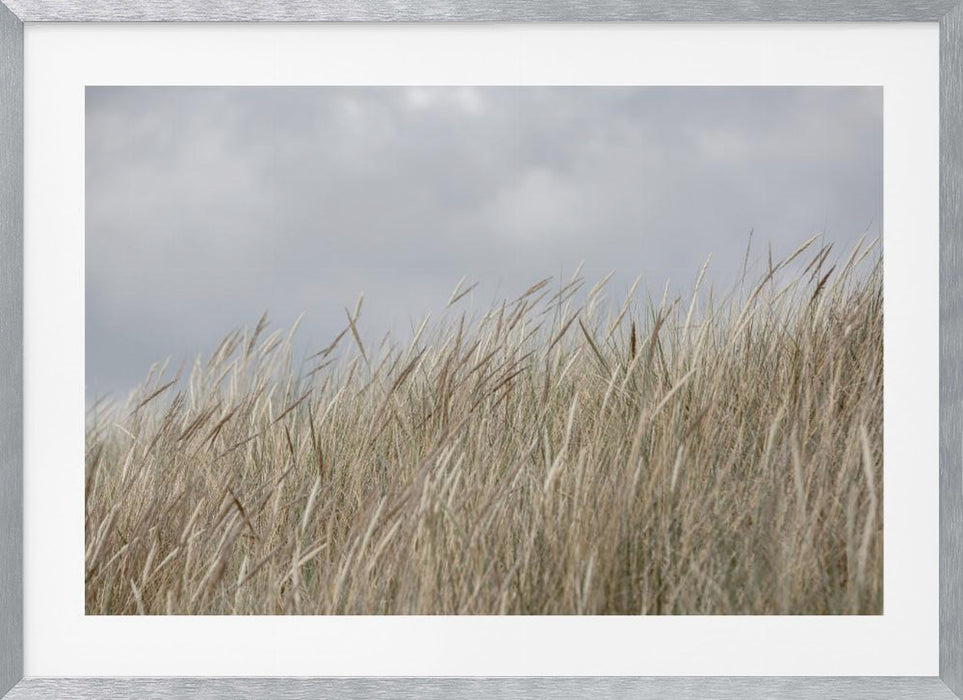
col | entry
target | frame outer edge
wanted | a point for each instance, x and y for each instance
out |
(11, 349)
(11, 242)
(951, 349)
(554, 688)
(480, 10)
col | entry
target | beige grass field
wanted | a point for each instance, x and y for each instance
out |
(560, 453)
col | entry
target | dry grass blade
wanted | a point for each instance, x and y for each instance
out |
(706, 455)
(458, 293)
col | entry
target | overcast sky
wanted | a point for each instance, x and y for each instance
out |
(209, 206)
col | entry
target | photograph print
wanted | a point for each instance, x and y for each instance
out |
(484, 350)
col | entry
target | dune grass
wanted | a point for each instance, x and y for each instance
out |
(558, 454)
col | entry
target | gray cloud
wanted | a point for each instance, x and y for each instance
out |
(207, 206)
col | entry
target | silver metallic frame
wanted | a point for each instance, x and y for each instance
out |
(949, 14)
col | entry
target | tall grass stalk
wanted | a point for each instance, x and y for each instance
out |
(556, 455)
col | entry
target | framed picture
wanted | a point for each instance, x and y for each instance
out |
(438, 350)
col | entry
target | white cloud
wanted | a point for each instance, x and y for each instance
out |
(207, 206)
